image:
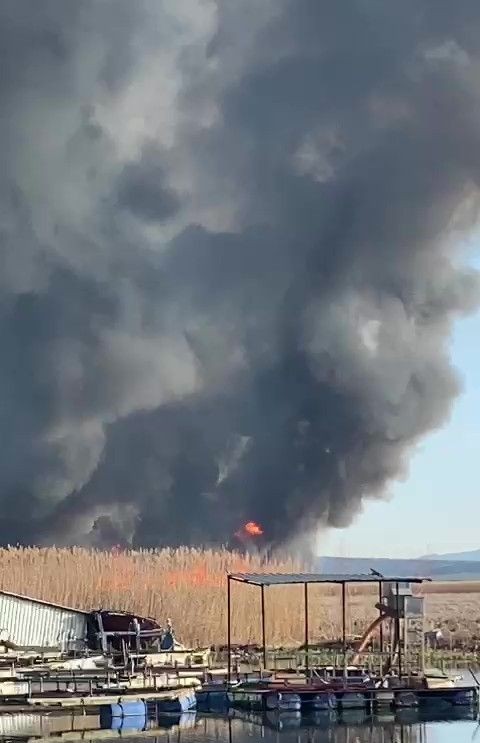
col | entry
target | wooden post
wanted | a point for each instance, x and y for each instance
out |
(262, 587)
(305, 587)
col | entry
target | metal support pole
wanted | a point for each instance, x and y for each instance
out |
(380, 601)
(103, 638)
(263, 629)
(305, 589)
(344, 632)
(399, 639)
(229, 631)
(422, 647)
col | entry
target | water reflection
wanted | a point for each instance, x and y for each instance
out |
(408, 726)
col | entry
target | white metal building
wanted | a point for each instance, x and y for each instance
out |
(34, 623)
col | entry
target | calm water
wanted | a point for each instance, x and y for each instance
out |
(352, 727)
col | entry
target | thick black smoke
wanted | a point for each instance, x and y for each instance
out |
(230, 238)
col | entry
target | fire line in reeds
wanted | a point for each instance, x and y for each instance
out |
(189, 585)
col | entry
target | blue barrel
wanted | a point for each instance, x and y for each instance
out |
(406, 699)
(212, 700)
(353, 700)
(284, 720)
(106, 716)
(109, 712)
(283, 701)
(185, 701)
(324, 701)
(322, 718)
(130, 709)
(464, 697)
(134, 724)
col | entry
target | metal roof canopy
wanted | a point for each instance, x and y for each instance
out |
(285, 579)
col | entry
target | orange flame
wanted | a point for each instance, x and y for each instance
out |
(253, 529)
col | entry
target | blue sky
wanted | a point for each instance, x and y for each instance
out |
(437, 509)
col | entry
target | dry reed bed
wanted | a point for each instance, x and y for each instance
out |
(189, 586)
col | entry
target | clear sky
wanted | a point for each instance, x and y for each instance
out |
(438, 508)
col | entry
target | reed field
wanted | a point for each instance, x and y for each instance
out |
(189, 585)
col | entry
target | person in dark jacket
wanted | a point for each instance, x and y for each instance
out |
(168, 639)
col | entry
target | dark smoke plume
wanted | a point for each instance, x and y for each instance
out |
(231, 258)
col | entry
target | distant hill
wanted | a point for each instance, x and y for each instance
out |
(470, 556)
(437, 569)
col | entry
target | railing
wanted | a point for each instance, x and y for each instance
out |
(294, 661)
(92, 683)
(373, 662)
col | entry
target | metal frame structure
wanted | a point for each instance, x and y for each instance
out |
(281, 579)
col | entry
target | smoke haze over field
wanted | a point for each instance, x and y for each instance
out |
(230, 242)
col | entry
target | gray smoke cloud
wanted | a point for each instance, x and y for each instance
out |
(231, 238)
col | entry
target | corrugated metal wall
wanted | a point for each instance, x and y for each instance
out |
(27, 622)
(17, 723)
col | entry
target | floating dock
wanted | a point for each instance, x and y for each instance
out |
(309, 698)
(172, 699)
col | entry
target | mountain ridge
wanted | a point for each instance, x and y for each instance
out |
(436, 569)
(468, 556)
